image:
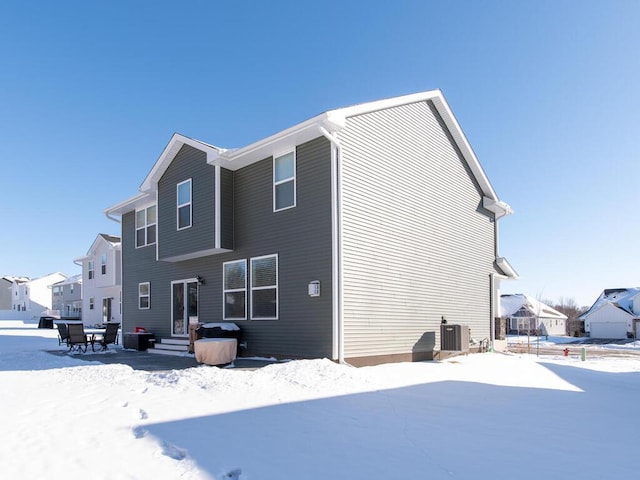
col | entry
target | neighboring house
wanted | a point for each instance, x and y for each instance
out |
(67, 297)
(525, 314)
(6, 286)
(102, 281)
(20, 294)
(348, 236)
(34, 296)
(615, 314)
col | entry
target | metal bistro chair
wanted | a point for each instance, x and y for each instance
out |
(77, 338)
(63, 333)
(110, 336)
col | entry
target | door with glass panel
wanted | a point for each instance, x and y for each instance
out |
(184, 306)
(106, 310)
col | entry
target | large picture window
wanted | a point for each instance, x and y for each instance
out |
(146, 226)
(264, 287)
(235, 290)
(183, 195)
(144, 296)
(284, 181)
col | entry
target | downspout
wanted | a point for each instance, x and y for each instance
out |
(336, 227)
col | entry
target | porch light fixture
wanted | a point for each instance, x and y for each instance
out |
(200, 280)
(314, 288)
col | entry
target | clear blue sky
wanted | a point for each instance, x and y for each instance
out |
(546, 92)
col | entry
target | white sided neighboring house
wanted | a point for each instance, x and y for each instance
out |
(525, 314)
(33, 297)
(614, 315)
(102, 281)
(13, 300)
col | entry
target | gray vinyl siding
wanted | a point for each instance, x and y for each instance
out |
(189, 163)
(301, 237)
(140, 266)
(226, 209)
(5, 294)
(416, 243)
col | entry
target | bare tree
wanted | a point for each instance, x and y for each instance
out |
(569, 307)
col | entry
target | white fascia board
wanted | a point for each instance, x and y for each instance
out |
(133, 203)
(282, 141)
(392, 102)
(169, 153)
(500, 208)
(463, 144)
(506, 267)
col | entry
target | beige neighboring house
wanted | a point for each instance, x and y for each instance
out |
(102, 281)
(526, 314)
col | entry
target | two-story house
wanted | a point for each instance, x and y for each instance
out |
(7, 302)
(350, 236)
(33, 296)
(67, 297)
(102, 281)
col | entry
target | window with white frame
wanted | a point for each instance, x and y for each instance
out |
(90, 269)
(144, 296)
(234, 288)
(284, 181)
(146, 226)
(91, 303)
(183, 204)
(264, 287)
(103, 263)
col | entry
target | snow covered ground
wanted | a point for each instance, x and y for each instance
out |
(472, 417)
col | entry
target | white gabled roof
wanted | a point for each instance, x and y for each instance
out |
(619, 297)
(168, 154)
(330, 123)
(512, 303)
(112, 241)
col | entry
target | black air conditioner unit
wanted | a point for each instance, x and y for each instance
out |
(454, 338)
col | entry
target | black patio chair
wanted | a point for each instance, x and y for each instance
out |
(110, 336)
(63, 334)
(77, 338)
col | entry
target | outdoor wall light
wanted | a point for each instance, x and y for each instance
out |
(200, 280)
(314, 288)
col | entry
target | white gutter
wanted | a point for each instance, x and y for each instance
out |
(500, 208)
(336, 244)
(506, 267)
(113, 219)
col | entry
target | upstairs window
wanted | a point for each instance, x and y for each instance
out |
(146, 226)
(183, 203)
(235, 290)
(264, 287)
(90, 269)
(284, 181)
(103, 263)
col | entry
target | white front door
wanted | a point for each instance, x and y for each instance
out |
(184, 306)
